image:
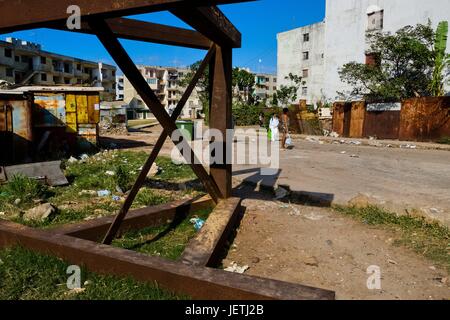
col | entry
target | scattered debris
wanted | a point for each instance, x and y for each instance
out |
(392, 262)
(281, 193)
(408, 146)
(442, 280)
(103, 193)
(354, 156)
(334, 135)
(312, 139)
(314, 217)
(237, 269)
(87, 192)
(343, 152)
(198, 223)
(116, 198)
(40, 213)
(255, 260)
(72, 160)
(17, 201)
(110, 173)
(311, 261)
(84, 157)
(154, 170)
(357, 143)
(75, 291)
(2, 213)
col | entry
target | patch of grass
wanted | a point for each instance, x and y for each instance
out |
(168, 241)
(444, 140)
(174, 173)
(429, 239)
(23, 188)
(147, 197)
(26, 275)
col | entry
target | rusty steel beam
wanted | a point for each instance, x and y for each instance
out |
(211, 22)
(118, 53)
(131, 29)
(196, 282)
(16, 15)
(154, 216)
(221, 107)
(206, 247)
(155, 151)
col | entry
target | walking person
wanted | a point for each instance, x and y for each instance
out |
(274, 127)
(285, 128)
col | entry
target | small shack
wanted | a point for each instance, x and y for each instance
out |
(36, 122)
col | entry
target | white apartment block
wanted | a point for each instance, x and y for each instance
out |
(165, 82)
(318, 51)
(25, 63)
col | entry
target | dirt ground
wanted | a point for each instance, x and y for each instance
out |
(319, 247)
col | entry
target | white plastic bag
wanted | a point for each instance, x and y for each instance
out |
(289, 140)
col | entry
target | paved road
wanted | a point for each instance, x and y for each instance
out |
(397, 179)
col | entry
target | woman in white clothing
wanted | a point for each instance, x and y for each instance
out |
(274, 127)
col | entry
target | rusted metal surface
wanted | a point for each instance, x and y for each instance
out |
(341, 118)
(155, 151)
(149, 32)
(49, 110)
(357, 119)
(382, 124)
(196, 282)
(425, 119)
(16, 132)
(206, 248)
(130, 70)
(35, 15)
(154, 216)
(220, 118)
(49, 172)
(212, 23)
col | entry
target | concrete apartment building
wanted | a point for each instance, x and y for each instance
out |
(318, 51)
(119, 88)
(265, 85)
(165, 82)
(25, 63)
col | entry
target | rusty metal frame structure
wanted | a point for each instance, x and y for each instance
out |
(79, 243)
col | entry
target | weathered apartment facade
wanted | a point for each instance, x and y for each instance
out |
(165, 82)
(265, 85)
(317, 52)
(25, 63)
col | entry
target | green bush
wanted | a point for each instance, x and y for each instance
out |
(246, 115)
(123, 179)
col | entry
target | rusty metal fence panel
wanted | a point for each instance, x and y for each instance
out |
(358, 112)
(425, 119)
(382, 120)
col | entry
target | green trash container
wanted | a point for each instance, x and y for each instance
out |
(187, 129)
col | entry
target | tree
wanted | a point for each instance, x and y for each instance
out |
(245, 82)
(441, 60)
(202, 85)
(287, 94)
(403, 68)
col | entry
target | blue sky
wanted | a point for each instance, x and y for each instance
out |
(258, 21)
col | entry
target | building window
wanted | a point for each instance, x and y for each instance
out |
(306, 37)
(79, 67)
(43, 77)
(376, 20)
(8, 53)
(9, 72)
(305, 73)
(304, 91)
(373, 59)
(43, 60)
(306, 55)
(113, 73)
(274, 88)
(274, 80)
(24, 59)
(17, 58)
(152, 81)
